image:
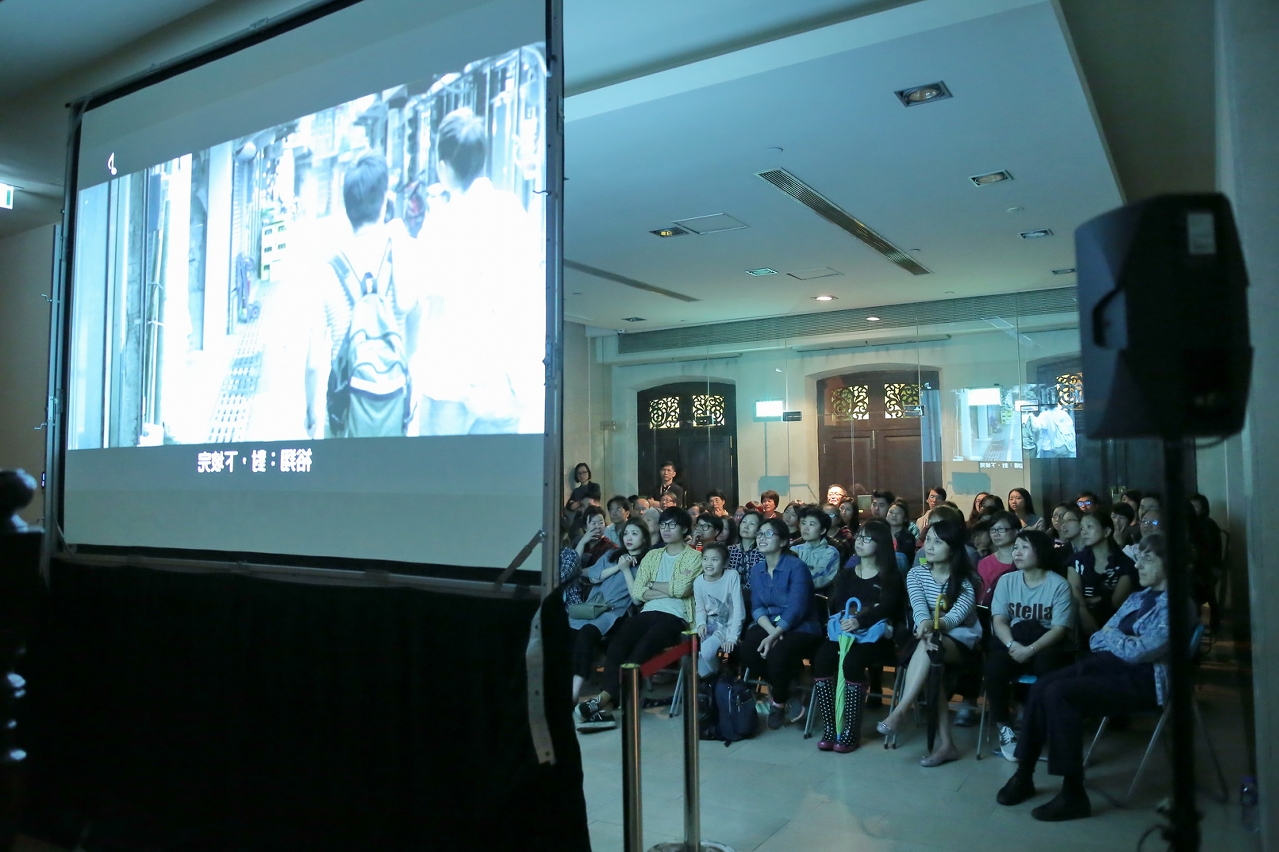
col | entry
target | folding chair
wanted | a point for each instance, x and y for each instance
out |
(1164, 715)
(1024, 680)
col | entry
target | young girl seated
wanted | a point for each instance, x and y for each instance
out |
(879, 593)
(610, 582)
(718, 612)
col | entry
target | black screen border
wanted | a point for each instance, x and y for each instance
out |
(453, 578)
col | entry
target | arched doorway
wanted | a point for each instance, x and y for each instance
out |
(693, 424)
(880, 430)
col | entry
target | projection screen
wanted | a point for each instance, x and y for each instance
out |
(305, 310)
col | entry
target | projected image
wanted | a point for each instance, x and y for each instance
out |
(1009, 425)
(374, 269)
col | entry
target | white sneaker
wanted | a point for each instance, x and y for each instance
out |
(1008, 743)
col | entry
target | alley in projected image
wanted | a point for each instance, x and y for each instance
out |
(374, 269)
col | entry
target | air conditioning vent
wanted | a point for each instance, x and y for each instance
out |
(833, 213)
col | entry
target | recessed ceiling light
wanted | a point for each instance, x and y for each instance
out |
(824, 298)
(669, 232)
(1038, 233)
(577, 292)
(872, 319)
(916, 95)
(763, 270)
(1015, 209)
(632, 319)
(991, 177)
(1069, 270)
(949, 293)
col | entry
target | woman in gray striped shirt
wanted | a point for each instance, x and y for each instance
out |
(947, 575)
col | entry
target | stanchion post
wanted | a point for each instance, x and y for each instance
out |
(632, 814)
(692, 738)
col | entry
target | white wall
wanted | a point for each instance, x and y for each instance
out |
(790, 449)
(1248, 44)
(26, 273)
(587, 402)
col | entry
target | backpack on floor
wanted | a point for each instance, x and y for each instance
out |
(730, 710)
(707, 717)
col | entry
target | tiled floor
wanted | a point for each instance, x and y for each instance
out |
(778, 793)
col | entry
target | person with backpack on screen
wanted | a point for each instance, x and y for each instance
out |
(358, 378)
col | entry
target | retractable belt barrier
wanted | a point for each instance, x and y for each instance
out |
(632, 813)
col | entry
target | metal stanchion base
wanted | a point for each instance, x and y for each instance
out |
(681, 846)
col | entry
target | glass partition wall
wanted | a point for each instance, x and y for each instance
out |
(979, 400)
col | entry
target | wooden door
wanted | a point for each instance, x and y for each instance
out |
(694, 425)
(875, 432)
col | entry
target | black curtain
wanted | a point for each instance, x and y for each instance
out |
(171, 710)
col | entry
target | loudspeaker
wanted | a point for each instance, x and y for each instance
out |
(1163, 319)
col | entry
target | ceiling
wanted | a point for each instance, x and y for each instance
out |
(689, 141)
(673, 108)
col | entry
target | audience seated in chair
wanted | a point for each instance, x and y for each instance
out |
(663, 586)
(1127, 671)
(718, 611)
(951, 577)
(785, 629)
(904, 532)
(1003, 534)
(815, 551)
(17, 490)
(880, 594)
(1032, 626)
(611, 582)
(1106, 575)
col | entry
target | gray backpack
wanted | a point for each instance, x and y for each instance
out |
(369, 393)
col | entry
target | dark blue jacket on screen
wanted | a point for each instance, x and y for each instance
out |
(786, 597)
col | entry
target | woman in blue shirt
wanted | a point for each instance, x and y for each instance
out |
(786, 630)
(1128, 670)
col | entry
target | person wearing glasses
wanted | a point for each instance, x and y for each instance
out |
(1128, 670)
(936, 496)
(1004, 527)
(1151, 523)
(1065, 521)
(706, 529)
(663, 586)
(1087, 501)
(785, 629)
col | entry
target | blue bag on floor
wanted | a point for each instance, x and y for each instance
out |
(735, 715)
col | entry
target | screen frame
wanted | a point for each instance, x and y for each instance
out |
(464, 580)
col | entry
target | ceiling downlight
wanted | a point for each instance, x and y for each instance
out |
(925, 94)
(833, 213)
(991, 177)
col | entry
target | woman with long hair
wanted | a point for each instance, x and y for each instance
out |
(870, 591)
(898, 519)
(1021, 504)
(975, 515)
(1128, 670)
(785, 629)
(611, 579)
(949, 577)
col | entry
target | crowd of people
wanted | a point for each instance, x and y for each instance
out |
(1076, 597)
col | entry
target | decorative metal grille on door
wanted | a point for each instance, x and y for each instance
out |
(663, 413)
(851, 402)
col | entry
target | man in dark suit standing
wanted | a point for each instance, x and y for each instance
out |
(668, 486)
